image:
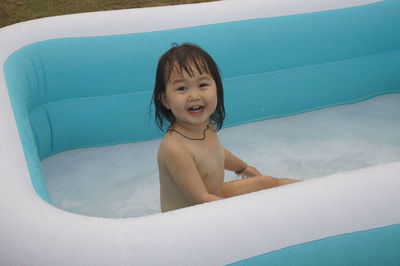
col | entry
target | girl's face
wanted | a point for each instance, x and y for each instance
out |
(191, 99)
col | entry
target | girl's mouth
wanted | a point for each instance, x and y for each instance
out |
(196, 109)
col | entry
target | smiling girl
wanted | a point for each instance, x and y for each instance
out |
(188, 96)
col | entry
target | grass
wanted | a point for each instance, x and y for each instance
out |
(13, 11)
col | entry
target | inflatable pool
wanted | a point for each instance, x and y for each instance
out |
(86, 80)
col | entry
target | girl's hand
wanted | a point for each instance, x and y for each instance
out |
(250, 171)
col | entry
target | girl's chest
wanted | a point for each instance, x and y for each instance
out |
(209, 158)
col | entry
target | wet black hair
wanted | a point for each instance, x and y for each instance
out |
(187, 57)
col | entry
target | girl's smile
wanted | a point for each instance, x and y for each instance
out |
(198, 109)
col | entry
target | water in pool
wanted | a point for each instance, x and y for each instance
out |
(122, 180)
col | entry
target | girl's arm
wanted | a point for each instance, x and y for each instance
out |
(234, 164)
(183, 170)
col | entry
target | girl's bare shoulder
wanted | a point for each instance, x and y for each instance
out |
(171, 145)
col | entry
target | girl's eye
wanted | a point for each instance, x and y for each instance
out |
(181, 89)
(203, 85)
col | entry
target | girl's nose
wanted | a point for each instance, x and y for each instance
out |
(194, 95)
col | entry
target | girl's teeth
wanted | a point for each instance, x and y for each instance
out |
(195, 108)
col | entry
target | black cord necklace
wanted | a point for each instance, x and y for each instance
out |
(203, 138)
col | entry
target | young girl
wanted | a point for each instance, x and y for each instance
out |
(188, 99)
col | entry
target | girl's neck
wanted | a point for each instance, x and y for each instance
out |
(191, 131)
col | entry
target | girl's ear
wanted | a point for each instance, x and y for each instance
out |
(164, 101)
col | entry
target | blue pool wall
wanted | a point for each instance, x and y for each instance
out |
(91, 91)
(379, 246)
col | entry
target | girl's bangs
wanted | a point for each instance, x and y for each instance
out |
(182, 62)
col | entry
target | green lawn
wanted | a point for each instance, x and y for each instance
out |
(13, 11)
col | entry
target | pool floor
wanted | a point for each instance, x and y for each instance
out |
(122, 180)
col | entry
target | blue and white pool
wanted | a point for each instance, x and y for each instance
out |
(311, 91)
